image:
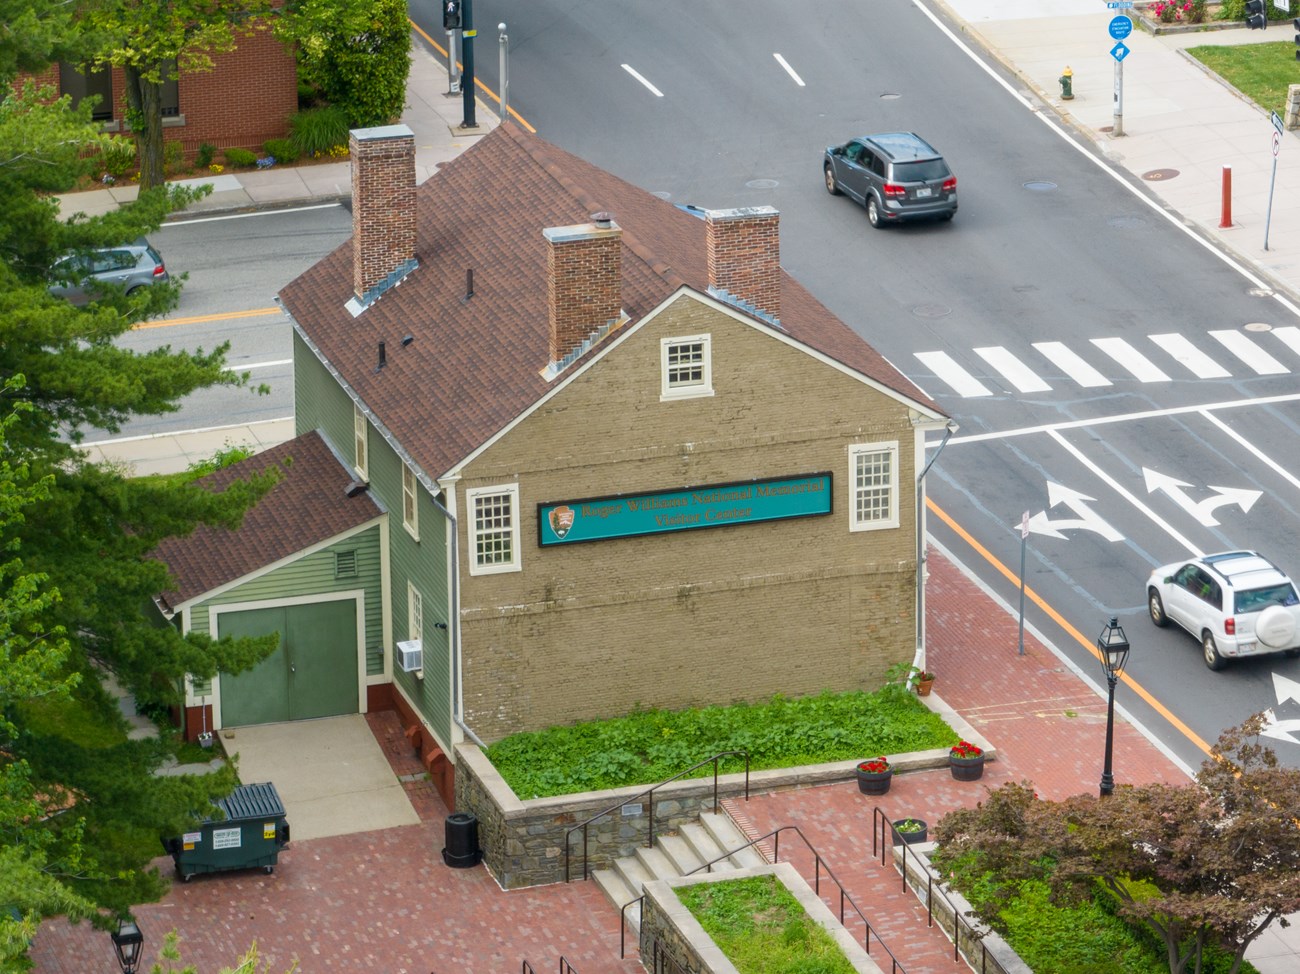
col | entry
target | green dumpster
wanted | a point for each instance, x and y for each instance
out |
(250, 836)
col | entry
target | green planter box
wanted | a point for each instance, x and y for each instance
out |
(250, 836)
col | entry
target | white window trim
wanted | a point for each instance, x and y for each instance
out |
(705, 387)
(411, 492)
(471, 527)
(414, 614)
(880, 524)
(360, 442)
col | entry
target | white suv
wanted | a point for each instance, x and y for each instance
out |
(1238, 603)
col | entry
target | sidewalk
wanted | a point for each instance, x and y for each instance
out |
(383, 901)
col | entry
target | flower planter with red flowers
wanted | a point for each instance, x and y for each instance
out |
(874, 776)
(966, 761)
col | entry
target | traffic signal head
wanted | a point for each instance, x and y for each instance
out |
(451, 13)
(1256, 16)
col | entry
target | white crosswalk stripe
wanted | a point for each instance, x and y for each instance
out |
(1187, 354)
(1012, 369)
(1071, 364)
(961, 381)
(1024, 375)
(1130, 359)
(1250, 353)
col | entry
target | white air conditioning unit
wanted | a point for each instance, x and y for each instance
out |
(410, 656)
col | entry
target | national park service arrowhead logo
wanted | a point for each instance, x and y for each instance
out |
(562, 520)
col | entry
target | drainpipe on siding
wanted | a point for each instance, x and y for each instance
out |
(918, 661)
(454, 632)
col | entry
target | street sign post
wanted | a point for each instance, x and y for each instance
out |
(1120, 27)
(1272, 180)
(1119, 52)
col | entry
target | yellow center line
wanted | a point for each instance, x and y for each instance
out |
(492, 95)
(219, 316)
(1060, 621)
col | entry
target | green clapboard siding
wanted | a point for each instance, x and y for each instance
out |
(313, 575)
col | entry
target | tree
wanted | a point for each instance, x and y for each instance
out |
(80, 808)
(356, 52)
(33, 34)
(1214, 862)
(151, 40)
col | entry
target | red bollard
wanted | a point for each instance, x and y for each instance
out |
(1225, 214)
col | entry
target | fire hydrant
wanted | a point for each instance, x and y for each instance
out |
(1067, 84)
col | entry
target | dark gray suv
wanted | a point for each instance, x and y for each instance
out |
(896, 176)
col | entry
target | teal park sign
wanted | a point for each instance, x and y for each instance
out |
(719, 505)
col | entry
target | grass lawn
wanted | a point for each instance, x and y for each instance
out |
(650, 746)
(1259, 71)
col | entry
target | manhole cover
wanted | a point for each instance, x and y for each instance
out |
(1155, 175)
(1126, 222)
(662, 195)
(761, 184)
(931, 310)
(890, 95)
(1040, 185)
(1258, 326)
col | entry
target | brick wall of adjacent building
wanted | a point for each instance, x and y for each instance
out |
(246, 99)
(692, 617)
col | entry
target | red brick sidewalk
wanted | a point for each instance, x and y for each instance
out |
(385, 902)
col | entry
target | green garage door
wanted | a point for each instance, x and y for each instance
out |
(313, 673)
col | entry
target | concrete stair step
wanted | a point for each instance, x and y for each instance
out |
(656, 863)
(633, 873)
(615, 888)
(703, 845)
(679, 853)
(725, 833)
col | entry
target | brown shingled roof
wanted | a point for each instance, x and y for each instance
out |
(308, 506)
(474, 364)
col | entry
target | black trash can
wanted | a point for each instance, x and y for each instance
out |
(461, 850)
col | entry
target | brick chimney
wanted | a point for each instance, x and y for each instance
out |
(745, 256)
(584, 281)
(383, 206)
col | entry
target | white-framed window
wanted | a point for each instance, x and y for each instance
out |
(410, 503)
(414, 614)
(360, 442)
(873, 486)
(493, 529)
(686, 367)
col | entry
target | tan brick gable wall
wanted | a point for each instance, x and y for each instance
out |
(694, 617)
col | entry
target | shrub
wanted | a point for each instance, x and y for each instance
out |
(118, 158)
(282, 150)
(238, 158)
(318, 130)
(173, 155)
(207, 152)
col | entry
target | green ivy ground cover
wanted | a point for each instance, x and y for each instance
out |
(762, 929)
(650, 746)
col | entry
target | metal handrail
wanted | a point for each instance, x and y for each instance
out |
(649, 793)
(958, 920)
(895, 966)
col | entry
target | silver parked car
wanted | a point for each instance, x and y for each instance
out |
(1237, 603)
(131, 266)
(897, 176)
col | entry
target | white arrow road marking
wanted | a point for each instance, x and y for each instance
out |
(1285, 688)
(1281, 730)
(1201, 510)
(1088, 519)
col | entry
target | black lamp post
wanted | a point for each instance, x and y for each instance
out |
(128, 942)
(1114, 654)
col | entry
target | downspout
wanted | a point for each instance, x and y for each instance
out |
(918, 661)
(454, 634)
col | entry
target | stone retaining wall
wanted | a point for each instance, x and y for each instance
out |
(523, 841)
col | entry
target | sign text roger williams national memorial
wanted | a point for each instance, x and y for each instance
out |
(719, 505)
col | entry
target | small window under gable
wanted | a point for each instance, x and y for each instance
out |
(686, 367)
(494, 529)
